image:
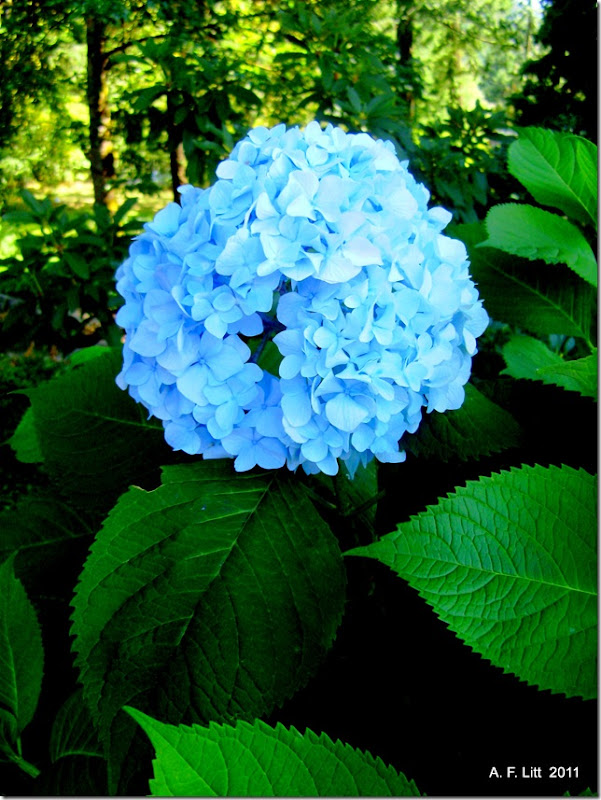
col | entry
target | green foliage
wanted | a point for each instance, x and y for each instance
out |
(560, 90)
(215, 596)
(540, 299)
(79, 418)
(73, 732)
(530, 232)
(530, 358)
(478, 428)
(461, 160)
(559, 170)
(508, 563)
(59, 289)
(24, 440)
(41, 532)
(21, 665)
(77, 757)
(257, 760)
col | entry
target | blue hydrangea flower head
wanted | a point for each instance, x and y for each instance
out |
(321, 242)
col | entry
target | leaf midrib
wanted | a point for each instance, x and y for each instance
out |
(489, 571)
(575, 197)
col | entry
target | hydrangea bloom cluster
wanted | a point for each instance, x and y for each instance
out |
(322, 241)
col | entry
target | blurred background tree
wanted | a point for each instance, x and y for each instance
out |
(560, 91)
(105, 101)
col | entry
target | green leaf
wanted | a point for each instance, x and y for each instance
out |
(559, 170)
(533, 233)
(73, 732)
(21, 656)
(93, 436)
(479, 428)
(85, 354)
(42, 532)
(530, 358)
(213, 597)
(78, 265)
(539, 298)
(509, 564)
(144, 98)
(260, 761)
(357, 495)
(123, 209)
(24, 440)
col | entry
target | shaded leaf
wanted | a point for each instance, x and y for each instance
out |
(530, 358)
(509, 564)
(533, 233)
(479, 428)
(41, 532)
(539, 298)
(260, 761)
(559, 170)
(75, 776)
(94, 438)
(215, 596)
(24, 440)
(73, 732)
(21, 657)
(357, 495)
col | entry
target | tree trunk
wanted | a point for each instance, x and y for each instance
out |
(101, 150)
(404, 39)
(176, 150)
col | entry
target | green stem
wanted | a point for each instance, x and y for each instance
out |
(17, 759)
(30, 769)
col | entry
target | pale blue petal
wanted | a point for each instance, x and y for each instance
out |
(345, 413)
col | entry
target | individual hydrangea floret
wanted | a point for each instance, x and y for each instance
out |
(321, 243)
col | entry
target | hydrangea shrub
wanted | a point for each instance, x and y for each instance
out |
(323, 242)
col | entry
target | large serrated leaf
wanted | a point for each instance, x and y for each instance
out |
(479, 428)
(530, 358)
(213, 597)
(534, 233)
(559, 170)
(93, 437)
(539, 298)
(509, 563)
(260, 761)
(21, 658)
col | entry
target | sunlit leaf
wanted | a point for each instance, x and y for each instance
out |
(260, 761)
(559, 170)
(533, 233)
(508, 562)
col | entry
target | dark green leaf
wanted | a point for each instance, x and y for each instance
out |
(479, 428)
(509, 563)
(533, 233)
(21, 655)
(215, 596)
(94, 438)
(73, 732)
(539, 298)
(559, 170)
(24, 440)
(42, 532)
(530, 358)
(357, 495)
(123, 209)
(260, 761)
(78, 264)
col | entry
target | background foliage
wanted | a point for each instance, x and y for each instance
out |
(133, 576)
